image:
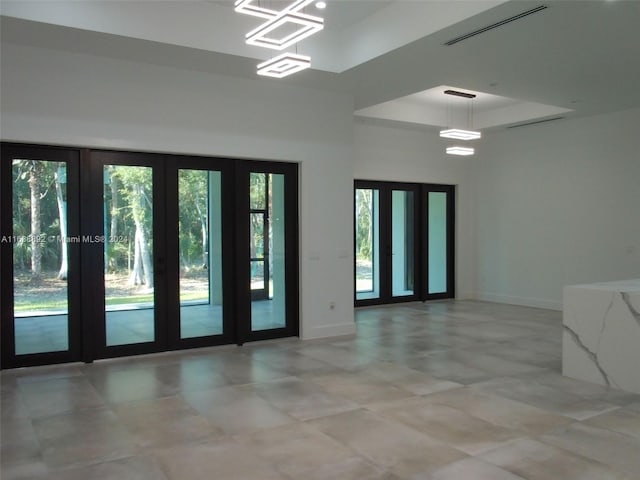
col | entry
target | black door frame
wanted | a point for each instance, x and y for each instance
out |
(421, 233)
(385, 240)
(8, 152)
(450, 190)
(87, 339)
(93, 261)
(174, 164)
(243, 267)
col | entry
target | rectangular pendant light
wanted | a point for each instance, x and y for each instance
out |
(460, 151)
(281, 29)
(460, 134)
(249, 7)
(284, 65)
(308, 25)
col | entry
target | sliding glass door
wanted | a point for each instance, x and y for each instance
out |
(403, 242)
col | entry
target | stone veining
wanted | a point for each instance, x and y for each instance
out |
(601, 333)
(633, 311)
(604, 321)
(592, 355)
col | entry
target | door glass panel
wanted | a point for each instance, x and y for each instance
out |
(258, 190)
(128, 254)
(402, 237)
(367, 220)
(257, 275)
(437, 242)
(40, 248)
(259, 252)
(259, 239)
(268, 311)
(200, 255)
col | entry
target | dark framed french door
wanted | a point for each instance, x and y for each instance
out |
(386, 242)
(200, 269)
(40, 212)
(438, 241)
(403, 242)
(124, 210)
(159, 252)
(267, 296)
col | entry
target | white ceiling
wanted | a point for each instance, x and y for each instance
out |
(574, 58)
(435, 108)
(355, 30)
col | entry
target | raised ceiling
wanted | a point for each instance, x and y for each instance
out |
(435, 108)
(355, 30)
(573, 58)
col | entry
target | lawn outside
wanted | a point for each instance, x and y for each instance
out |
(364, 275)
(50, 293)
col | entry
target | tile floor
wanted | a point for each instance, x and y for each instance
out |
(454, 390)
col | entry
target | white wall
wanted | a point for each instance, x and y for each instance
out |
(56, 97)
(399, 154)
(537, 207)
(557, 204)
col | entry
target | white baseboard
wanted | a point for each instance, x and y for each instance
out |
(327, 331)
(523, 301)
(466, 296)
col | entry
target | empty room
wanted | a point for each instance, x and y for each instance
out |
(341, 239)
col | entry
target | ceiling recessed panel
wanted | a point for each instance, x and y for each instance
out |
(433, 107)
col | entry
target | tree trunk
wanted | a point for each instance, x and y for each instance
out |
(114, 207)
(205, 259)
(142, 267)
(36, 227)
(185, 264)
(366, 221)
(136, 277)
(62, 214)
(203, 231)
(146, 260)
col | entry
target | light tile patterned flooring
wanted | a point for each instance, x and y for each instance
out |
(454, 390)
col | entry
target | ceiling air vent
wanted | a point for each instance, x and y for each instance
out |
(495, 25)
(535, 122)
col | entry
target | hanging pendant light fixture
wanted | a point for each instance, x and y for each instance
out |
(464, 151)
(459, 133)
(306, 25)
(284, 65)
(248, 7)
(276, 33)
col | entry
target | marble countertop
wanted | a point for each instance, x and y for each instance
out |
(601, 333)
(632, 285)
